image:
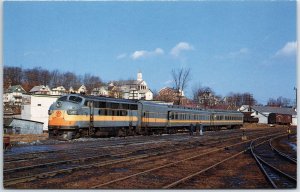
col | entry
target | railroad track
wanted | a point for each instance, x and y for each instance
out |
(85, 157)
(277, 178)
(121, 158)
(44, 173)
(82, 154)
(282, 154)
(164, 182)
(71, 168)
(95, 146)
(135, 140)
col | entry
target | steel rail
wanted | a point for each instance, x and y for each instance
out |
(284, 155)
(261, 164)
(170, 164)
(91, 157)
(88, 146)
(52, 173)
(12, 181)
(93, 144)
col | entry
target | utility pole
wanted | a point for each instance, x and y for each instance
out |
(295, 88)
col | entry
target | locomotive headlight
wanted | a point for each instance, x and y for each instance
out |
(58, 104)
(72, 112)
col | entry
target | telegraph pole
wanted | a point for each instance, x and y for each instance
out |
(295, 88)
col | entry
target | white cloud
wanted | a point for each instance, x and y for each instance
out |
(143, 53)
(234, 54)
(240, 52)
(182, 46)
(289, 49)
(122, 56)
(168, 82)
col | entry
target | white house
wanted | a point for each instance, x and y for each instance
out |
(58, 91)
(262, 112)
(100, 91)
(36, 108)
(136, 89)
(13, 95)
(82, 89)
(41, 89)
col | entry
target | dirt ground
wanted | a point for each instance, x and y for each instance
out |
(28, 138)
(259, 125)
(38, 137)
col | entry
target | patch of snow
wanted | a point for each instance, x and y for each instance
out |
(294, 146)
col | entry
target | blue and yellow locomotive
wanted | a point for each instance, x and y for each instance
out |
(74, 116)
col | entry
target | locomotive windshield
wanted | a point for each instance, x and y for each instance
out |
(71, 98)
(75, 99)
(64, 98)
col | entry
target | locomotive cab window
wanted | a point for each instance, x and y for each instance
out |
(64, 98)
(75, 99)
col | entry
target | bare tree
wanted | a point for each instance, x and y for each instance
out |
(69, 79)
(181, 77)
(91, 82)
(12, 76)
(56, 78)
(155, 94)
(239, 99)
(205, 96)
(279, 102)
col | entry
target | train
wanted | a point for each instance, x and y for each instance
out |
(280, 119)
(249, 119)
(74, 116)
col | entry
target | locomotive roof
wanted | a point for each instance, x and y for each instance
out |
(177, 107)
(183, 108)
(106, 98)
(205, 110)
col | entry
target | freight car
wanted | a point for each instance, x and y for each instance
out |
(280, 119)
(249, 119)
(74, 116)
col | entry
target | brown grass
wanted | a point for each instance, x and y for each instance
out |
(27, 137)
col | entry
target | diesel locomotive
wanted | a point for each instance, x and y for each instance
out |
(74, 116)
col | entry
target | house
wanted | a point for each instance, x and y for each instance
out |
(40, 90)
(132, 89)
(71, 90)
(58, 91)
(36, 108)
(13, 95)
(81, 90)
(208, 99)
(262, 112)
(100, 91)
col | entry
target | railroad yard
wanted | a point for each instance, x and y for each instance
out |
(247, 158)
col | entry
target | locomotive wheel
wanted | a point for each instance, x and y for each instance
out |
(121, 132)
(68, 135)
(77, 135)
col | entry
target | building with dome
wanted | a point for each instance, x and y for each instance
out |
(134, 89)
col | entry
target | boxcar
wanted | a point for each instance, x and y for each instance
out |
(280, 119)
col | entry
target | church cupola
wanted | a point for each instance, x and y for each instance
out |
(139, 76)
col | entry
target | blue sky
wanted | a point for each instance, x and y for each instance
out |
(229, 46)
